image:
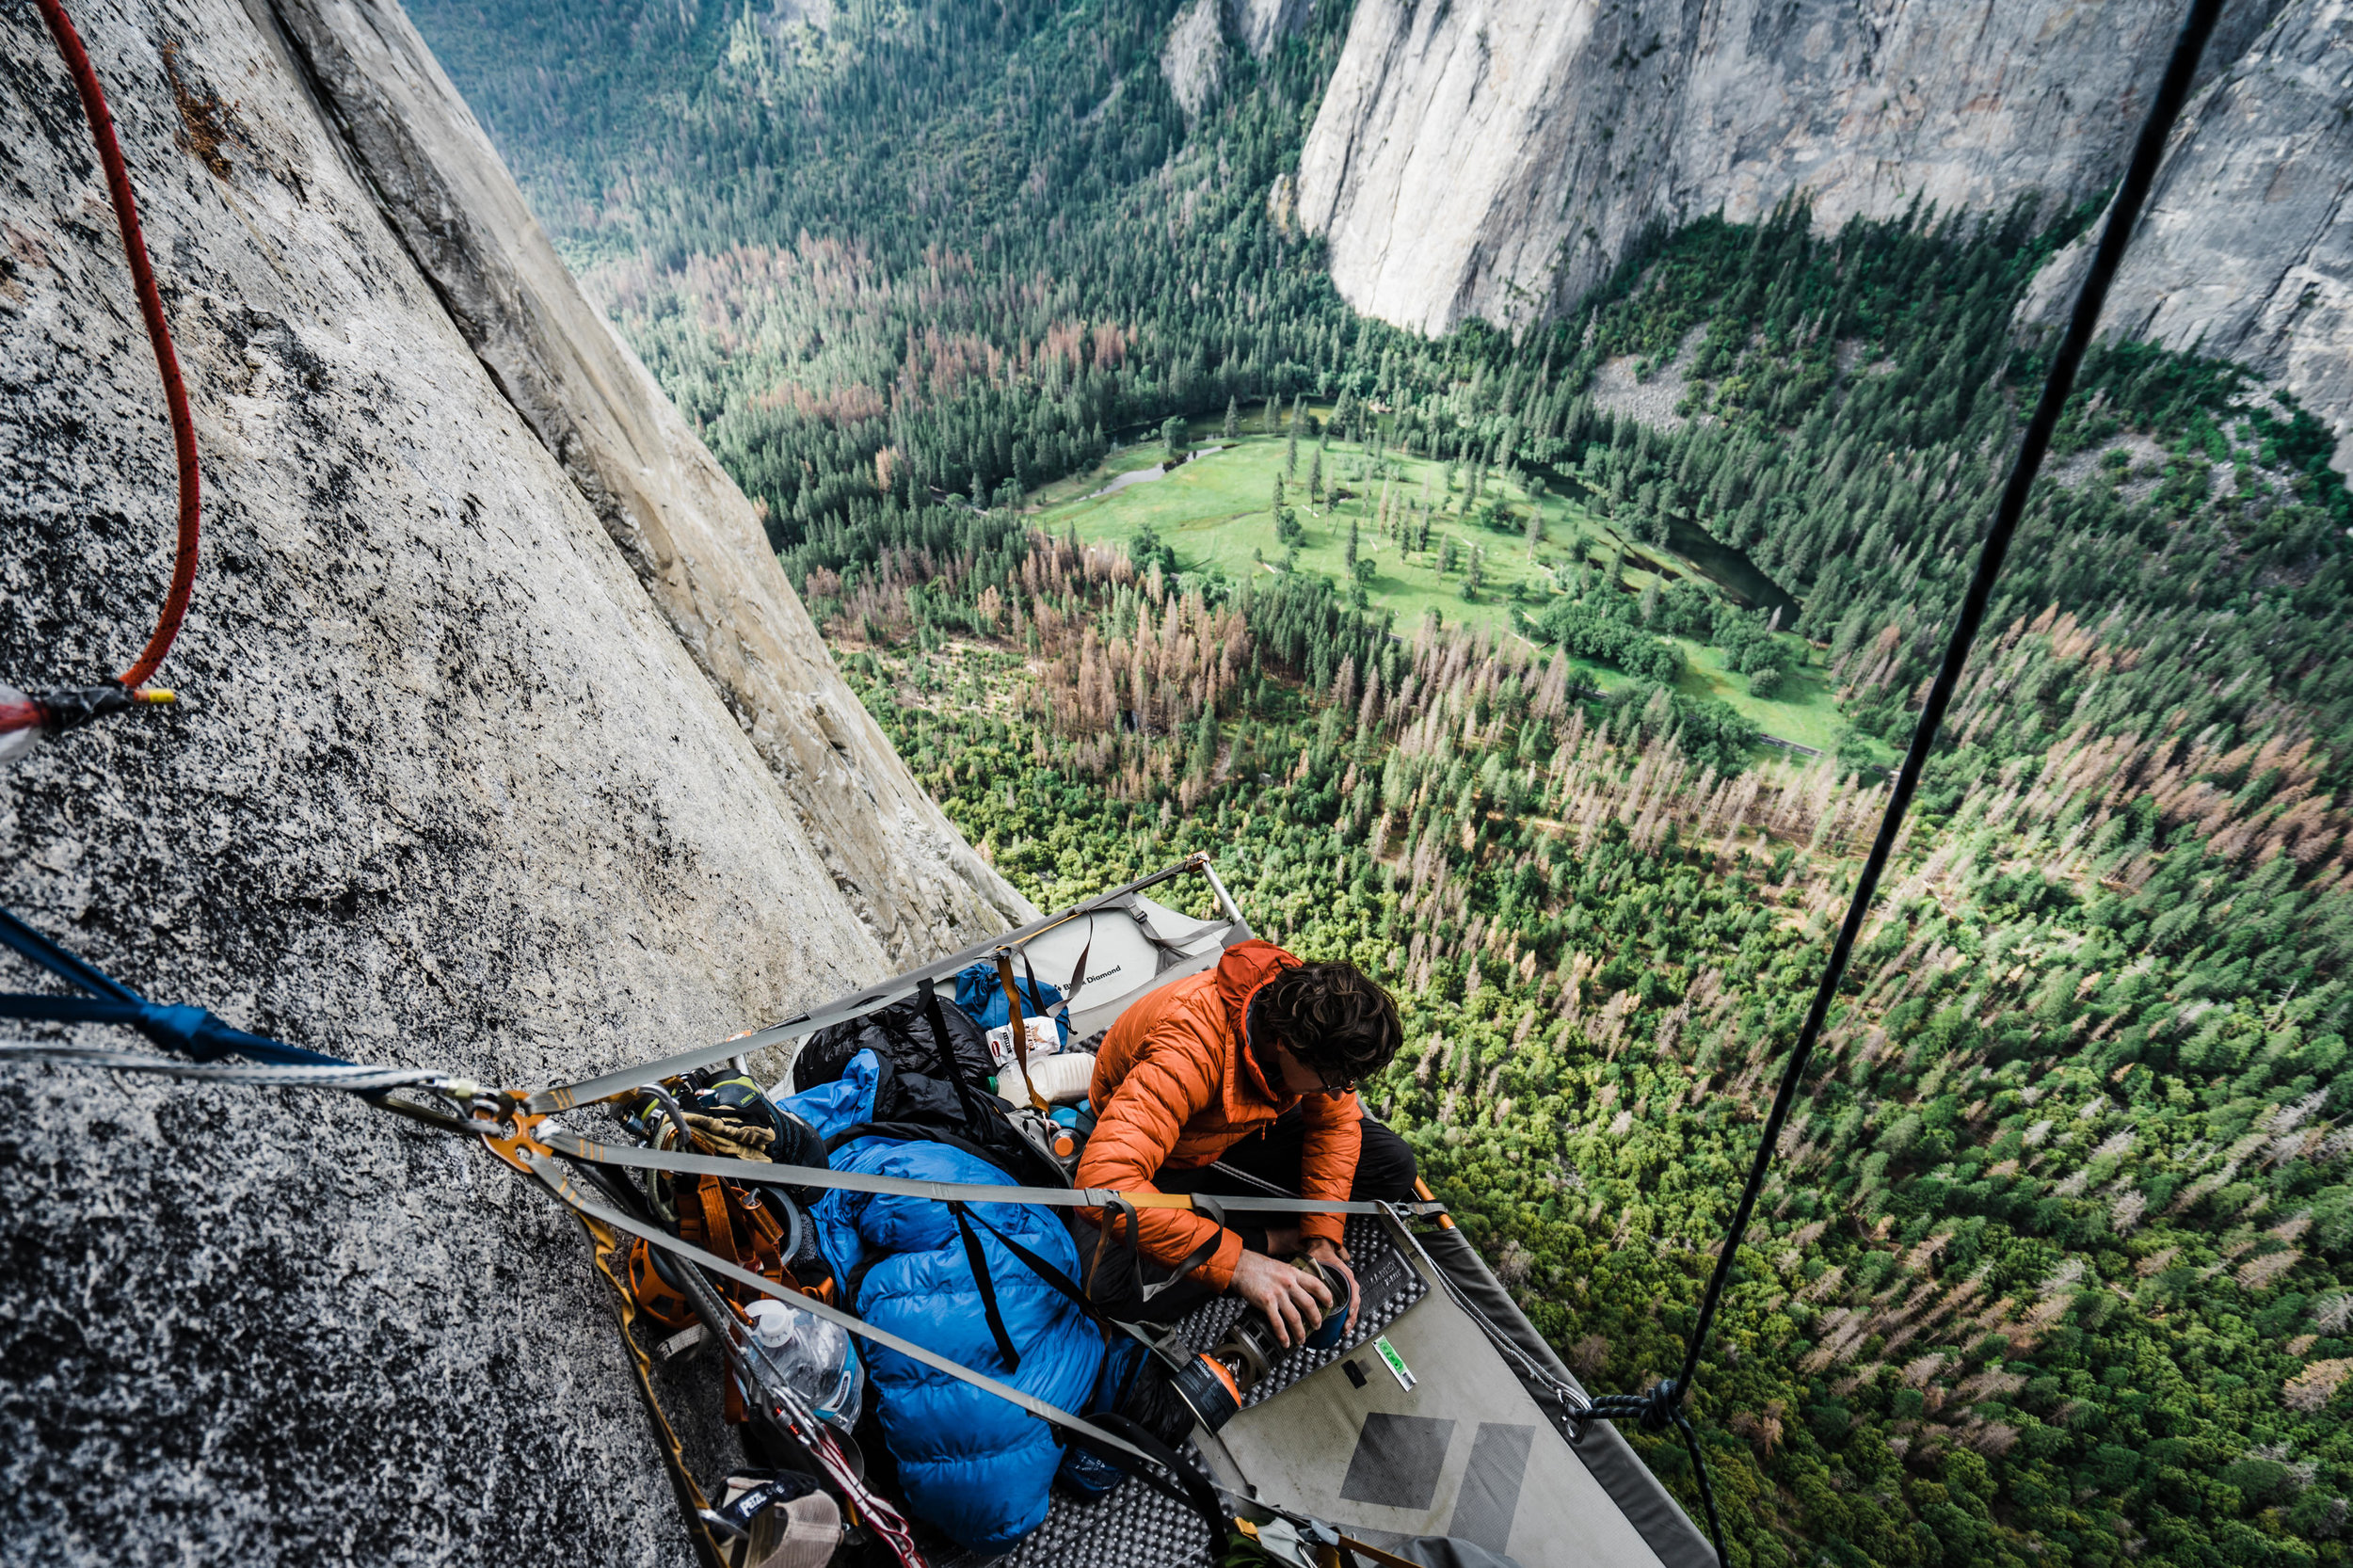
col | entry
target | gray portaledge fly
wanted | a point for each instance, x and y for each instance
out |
(1174, 960)
(1646, 1504)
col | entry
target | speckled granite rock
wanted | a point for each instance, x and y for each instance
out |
(685, 529)
(1497, 157)
(2246, 249)
(488, 761)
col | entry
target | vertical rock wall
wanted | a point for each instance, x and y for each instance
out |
(686, 531)
(1193, 56)
(1260, 24)
(2245, 247)
(505, 749)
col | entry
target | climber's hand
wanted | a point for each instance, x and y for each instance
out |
(1293, 1301)
(1335, 1256)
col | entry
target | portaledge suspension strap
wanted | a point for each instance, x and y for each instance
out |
(1016, 1012)
(946, 1045)
(572, 1145)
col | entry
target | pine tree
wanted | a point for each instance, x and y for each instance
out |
(1204, 745)
(1233, 418)
(1348, 554)
(1315, 479)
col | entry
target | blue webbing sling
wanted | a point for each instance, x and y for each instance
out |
(106, 1001)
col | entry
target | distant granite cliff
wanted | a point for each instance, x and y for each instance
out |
(505, 748)
(2247, 247)
(1495, 158)
(1193, 57)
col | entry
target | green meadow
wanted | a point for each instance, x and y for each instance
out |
(1216, 512)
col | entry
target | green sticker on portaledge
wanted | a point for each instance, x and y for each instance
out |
(1395, 1363)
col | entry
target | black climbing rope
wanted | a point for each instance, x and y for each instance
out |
(1662, 1404)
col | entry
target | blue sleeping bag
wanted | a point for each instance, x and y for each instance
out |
(970, 1463)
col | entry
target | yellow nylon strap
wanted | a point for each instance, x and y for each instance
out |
(1021, 1029)
(610, 1258)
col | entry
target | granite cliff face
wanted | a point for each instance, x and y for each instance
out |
(1495, 158)
(2246, 249)
(505, 748)
(1260, 24)
(1193, 57)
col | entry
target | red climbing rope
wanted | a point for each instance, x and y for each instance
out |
(102, 127)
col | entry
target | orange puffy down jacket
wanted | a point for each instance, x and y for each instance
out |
(1175, 1085)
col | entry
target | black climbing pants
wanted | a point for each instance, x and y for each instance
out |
(1386, 1170)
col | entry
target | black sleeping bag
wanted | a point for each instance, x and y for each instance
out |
(913, 1094)
(901, 1034)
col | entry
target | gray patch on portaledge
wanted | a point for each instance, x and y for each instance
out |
(1397, 1460)
(1490, 1492)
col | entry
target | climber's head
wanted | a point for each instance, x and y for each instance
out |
(1332, 1025)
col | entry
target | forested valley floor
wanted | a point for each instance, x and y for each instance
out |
(2054, 1268)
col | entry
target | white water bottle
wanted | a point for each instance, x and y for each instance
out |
(810, 1356)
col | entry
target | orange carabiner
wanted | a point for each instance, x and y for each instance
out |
(518, 1140)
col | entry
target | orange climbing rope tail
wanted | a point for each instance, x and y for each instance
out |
(102, 126)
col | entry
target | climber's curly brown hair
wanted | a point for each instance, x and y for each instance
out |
(1334, 1017)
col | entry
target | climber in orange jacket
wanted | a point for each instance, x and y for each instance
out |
(1247, 1071)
